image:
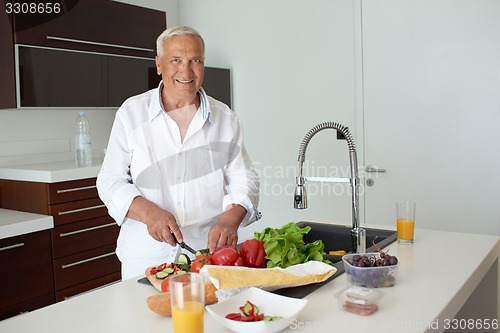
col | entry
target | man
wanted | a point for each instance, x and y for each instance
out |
(176, 165)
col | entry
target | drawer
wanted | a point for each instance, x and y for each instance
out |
(77, 211)
(81, 236)
(30, 305)
(72, 190)
(85, 266)
(80, 288)
(26, 270)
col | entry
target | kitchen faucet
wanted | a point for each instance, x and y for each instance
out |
(358, 234)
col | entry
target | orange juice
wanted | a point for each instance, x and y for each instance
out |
(188, 319)
(405, 227)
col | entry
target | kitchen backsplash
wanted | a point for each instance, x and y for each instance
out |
(30, 136)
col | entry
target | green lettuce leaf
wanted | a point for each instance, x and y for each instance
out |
(285, 246)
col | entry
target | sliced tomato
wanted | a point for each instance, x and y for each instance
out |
(165, 285)
(234, 316)
(196, 265)
(206, 256)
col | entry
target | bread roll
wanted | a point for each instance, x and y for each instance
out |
(160, 303)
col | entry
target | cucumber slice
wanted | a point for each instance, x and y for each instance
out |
(250, 309)
(199, 252)
(183, 259)
(180, 272)
(168, 270)
(162, 275)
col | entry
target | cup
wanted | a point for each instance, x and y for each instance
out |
(405, 212)
(187, 296)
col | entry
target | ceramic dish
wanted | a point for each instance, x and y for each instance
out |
(269, 304)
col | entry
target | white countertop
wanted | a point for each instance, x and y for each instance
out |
(50, 172)
(14, 223)
(427, 288)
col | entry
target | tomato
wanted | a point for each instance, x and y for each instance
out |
(225, 255)
(196, 265)
(165, 284)
(207, 258)
(239, 262)
(157, 269)
(253, 253)
(234, 316)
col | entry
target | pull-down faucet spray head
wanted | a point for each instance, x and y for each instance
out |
(300, 196)
(358, 234)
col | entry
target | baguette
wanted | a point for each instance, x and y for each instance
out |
(160, 303)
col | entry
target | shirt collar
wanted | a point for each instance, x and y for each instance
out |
(156, 105)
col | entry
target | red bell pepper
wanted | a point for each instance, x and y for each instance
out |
(253, 253)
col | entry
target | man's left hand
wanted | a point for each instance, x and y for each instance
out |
(225, 231)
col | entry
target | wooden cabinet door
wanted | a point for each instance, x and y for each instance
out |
(97, 25)
(8, 81)
(26, 264)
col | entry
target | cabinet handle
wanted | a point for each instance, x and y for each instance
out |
(91, 290)
(80, 210)
(76, 189)
(87, 260)
(71, 40)
(65, 234)
(11, 246)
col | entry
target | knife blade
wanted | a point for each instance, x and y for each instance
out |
(187, 247)
(184, 245)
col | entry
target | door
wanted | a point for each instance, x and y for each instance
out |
(431, 93)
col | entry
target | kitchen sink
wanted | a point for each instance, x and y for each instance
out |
(337, 237)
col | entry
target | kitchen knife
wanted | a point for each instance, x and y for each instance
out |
(184, 245)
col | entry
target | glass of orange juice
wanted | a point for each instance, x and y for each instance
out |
(405, 221)
(187, 296)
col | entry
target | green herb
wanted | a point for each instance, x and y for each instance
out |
(285, 246)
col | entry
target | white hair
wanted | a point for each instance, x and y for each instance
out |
(173, 31)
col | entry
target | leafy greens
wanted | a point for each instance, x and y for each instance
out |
(285, 246)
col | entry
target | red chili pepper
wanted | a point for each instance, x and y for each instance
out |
(253, 253)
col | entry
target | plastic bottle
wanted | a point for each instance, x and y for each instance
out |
(82, 141)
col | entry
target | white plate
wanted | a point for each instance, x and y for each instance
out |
(269, 304)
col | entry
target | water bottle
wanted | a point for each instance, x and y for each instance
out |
(82, 141)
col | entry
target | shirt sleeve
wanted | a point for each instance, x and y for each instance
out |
(114, 183)
(242, 181)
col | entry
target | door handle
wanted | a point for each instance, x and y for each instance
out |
(371, 168)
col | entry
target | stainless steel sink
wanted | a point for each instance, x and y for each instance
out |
(337, 237)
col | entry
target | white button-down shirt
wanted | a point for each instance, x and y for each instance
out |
(195, 179)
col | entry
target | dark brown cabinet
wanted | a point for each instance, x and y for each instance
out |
(105, 28)
(94, 25)
(83, 239)
(26, 278)
(7, 69)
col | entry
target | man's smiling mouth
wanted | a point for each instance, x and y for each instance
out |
(184, 81)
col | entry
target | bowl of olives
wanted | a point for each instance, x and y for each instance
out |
(371, 270)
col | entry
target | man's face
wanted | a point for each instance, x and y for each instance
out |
(181, 66)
